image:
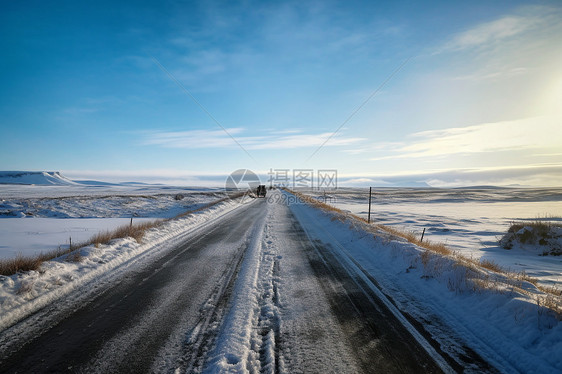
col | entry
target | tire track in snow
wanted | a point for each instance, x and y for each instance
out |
(187, 352)
(309, 339)
(250, 338)
(236, 349)
(269, 322)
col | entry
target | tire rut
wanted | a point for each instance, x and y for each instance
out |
(202, 337)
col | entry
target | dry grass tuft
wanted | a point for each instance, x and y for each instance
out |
(552, 303)
(539, 225)
(27, 263)
(23, 263)
(135, 231)
(537, 233)
(19, 263)
(491, 265)
(75, 256)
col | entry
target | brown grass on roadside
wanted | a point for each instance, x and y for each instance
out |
(551, 300)
(491, 265)
(539, 225)
(136, 231)
(26, 263)
(408, 235)
(20, 263)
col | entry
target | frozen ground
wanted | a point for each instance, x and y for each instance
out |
(31, 236)
(468, 220)
(282, 314)
(100, 202)
(40, 218)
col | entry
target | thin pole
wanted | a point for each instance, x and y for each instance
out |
(370, 194)
(423, 233)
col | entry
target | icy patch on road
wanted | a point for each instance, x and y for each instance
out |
(24, 293)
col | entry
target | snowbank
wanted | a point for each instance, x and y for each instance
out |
(24, 293)
(233, 353)
(542, 238)
(502, 322)
(468, 220)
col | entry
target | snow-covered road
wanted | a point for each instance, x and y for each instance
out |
(266, 287)
(250, 292)
(163, 314)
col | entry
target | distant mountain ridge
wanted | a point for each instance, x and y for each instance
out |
(55, 178)
(43, 178)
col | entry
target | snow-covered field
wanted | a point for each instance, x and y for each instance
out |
(40, 218)
(32, 236)
(503, 324)
(61, 276)
(468, 220)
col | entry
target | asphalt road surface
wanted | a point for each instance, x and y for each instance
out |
(166, 316)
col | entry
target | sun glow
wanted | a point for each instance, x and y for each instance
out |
(551, 101)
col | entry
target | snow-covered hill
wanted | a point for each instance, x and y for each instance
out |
(45, 178)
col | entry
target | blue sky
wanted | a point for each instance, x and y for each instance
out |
(475, 94)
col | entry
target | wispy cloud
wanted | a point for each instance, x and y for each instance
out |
(538, 133)
(490, 33)
(494, 74)
(197, 139)
(518, 45)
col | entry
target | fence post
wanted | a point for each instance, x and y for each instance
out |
(70, 245)
(369, 216)
(423, 233)
(131, 224)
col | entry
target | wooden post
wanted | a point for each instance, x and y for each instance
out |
(131, 224)
(423, 233)
(370, 193)
(70, 245)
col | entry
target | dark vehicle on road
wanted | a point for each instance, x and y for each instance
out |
(261, 191)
